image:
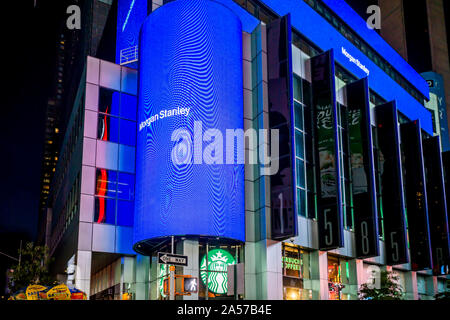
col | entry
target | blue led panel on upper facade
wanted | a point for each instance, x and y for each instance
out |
(130, 16)
(325, 36)
(350, 17)
(190, 57)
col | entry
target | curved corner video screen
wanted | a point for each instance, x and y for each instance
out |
(190, 93)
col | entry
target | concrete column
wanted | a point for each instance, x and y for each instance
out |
(153, 278)
(352, 287)
(361, 277)
(190, 249)
(128, 274)
(314, 274)
(411, 292)
(323, 275)
(83, 271)
(432, 285)
(273, 272)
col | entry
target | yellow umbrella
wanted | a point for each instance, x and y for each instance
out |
(59, 292)
(35, 292)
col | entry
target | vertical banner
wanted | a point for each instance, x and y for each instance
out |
(437, 205)
(281, 108)
(363, 170)
(436, 85)
(327, 155)
(416, 196)
(391, 184)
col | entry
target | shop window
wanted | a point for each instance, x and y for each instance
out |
(339, 279)
(296, 269)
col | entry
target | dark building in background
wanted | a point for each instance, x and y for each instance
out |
(418, 31)
(72, 46)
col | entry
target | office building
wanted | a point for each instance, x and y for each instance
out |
(165, 152)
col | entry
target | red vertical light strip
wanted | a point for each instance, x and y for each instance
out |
(103, 176)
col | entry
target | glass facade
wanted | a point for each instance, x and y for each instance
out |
(304, 168)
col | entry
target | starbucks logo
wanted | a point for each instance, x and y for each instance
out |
(162, 274)
(218, 261)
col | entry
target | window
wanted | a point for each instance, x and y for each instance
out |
(108, 128)
(127, 132)
(106, 183)
(339, 277)
(108, 101)
(125, 213)
(125, 186)
(105, 210)
(128, 106)
(114, 192)
(296, 273)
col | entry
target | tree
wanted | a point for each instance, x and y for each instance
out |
(389, 288)
(32, 269)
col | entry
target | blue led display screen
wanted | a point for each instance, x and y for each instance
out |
(190, 73)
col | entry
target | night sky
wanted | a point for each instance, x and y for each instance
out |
(29, 38)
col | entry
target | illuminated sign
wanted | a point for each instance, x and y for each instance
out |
(217, 263)
(292, 263)
(187, 76)
(163, 274)
(190, 285)
(355, 61)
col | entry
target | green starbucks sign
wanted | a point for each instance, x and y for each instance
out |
(162, 274)
(218, 261)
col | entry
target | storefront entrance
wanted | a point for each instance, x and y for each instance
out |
(295, 273)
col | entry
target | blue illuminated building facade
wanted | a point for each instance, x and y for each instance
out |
(359, 154)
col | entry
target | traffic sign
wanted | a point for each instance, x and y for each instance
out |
(173, 259)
